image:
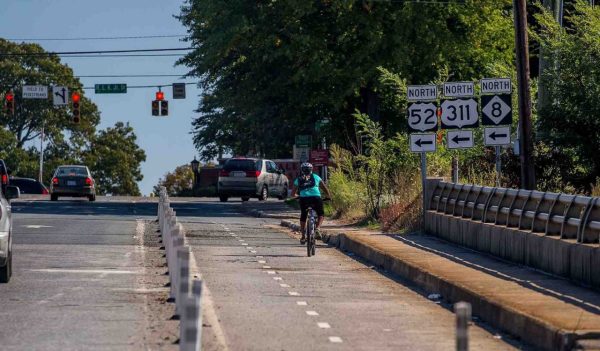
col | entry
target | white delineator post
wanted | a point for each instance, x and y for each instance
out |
(190, 328)
(463, 317)
(183, 279)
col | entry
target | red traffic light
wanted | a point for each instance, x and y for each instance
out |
(10, 97)
(160, 95)
(75, 97)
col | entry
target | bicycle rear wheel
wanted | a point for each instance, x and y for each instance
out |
(310, 237)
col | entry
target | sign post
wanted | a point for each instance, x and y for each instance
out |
(496, 110)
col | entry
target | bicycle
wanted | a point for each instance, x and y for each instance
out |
(311, 223)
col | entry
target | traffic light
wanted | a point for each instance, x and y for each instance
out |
(155, 107)
(160, 96)
(164, 108)
(10, 103)
(76, 100)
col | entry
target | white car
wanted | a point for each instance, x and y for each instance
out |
(8, 193)
(251, 177)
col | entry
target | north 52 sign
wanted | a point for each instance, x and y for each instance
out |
(459, 113)
(422, 116)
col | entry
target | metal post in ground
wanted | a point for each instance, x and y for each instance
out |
(424, 182)
(463, 317)
(454, 169)
(498, 165)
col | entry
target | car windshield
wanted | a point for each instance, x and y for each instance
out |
(242, 165)
(66, 171)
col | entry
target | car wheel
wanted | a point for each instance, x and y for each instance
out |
(53, 197)
(245, 198)
(264, 194)
(92, 198)
(6, 271)
(223, 198)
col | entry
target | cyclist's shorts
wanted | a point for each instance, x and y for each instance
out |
(311, 201)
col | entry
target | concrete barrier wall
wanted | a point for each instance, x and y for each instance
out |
(546, 251)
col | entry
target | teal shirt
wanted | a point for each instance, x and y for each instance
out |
(314, 191)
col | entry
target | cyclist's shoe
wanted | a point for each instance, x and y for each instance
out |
(303, 240)
(318, 234)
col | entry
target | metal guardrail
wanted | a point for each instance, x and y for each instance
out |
(568, 216)
(186, 293)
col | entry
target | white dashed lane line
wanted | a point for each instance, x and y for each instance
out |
(252, 251)
(244, 244)
(335, 339)
(301, 303)
(266, 267)
(293, 293)
(324, 325)
(278, 278)
(284, 285)
(262, 261)
(270, 272)
(312, 313)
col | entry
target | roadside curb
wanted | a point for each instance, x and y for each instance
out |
(262, 214)
(535, 331)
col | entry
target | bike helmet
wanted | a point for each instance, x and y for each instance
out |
(306, 168)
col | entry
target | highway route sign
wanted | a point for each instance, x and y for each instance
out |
(460, 139)
(459, 89)
(60, 95)
(35, 92)
(423, 142)
(496, 136)
(421, 93)
(459, 113)
(496, 110)
(422, 117)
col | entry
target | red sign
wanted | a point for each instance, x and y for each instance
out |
(319, 157)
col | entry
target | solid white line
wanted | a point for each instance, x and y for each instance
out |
(92, 271)
(312, 313)
(293, 293)
(335, 339)
(301, 303)
(284, 285)
(323, 325)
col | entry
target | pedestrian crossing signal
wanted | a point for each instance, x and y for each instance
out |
(155, 108)
(164, 108)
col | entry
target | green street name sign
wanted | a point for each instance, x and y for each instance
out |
(303, 140)
(110, 88)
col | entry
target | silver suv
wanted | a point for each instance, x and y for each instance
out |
(7, 193)
(251, 177)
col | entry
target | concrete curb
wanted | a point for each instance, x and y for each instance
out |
(536, 332)
(262, 214)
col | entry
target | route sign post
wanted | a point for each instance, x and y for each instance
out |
(496, 110)
(110, 88)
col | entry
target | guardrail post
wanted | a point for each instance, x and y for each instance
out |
(463, 317)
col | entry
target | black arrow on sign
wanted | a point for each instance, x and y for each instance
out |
(420, 142)
(494, 135)
(63, 96)
(457, 139)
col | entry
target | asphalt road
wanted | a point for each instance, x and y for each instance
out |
(81, 282)
(75, 282)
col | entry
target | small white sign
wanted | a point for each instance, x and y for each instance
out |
(459, 89)
(421, 92)
(301, 153)
(496, 136)
(60, 96)
(459, 113)
(35, 92)
(460, 139)
(496, 86)
(423, 142)
(422, 116)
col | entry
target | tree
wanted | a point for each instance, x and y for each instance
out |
(115, 160)
(178, 182)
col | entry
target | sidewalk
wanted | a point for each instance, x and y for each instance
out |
(547, 312)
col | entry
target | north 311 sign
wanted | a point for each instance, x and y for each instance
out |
(459, 113)
(422, 117)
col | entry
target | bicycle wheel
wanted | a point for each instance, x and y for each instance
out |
(310, 234)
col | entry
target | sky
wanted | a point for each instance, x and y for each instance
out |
(166, 140)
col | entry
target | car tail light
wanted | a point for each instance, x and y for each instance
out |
(55, 181)
(88, 181)
(4, 179)
(223, 173)
(44, 192)
(253, 174)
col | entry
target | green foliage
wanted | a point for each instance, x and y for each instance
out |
(115, 160)
(179, 182)
(568, 126)
(277, 67)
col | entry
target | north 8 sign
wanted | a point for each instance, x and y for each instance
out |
(422, 117)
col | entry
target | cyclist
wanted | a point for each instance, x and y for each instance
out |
(309, 184)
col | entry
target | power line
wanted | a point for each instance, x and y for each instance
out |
(131, 75)
(145, 86)
(125, 55)
(100, 38)
(60, 53)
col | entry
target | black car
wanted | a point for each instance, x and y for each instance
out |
(29, 186)
(73, 180)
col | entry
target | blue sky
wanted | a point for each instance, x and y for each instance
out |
(166, 140)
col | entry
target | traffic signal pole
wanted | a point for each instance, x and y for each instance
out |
(525, 125)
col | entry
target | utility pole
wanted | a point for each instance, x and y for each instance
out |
(525, 125)
(556, 6)
(41, 176)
